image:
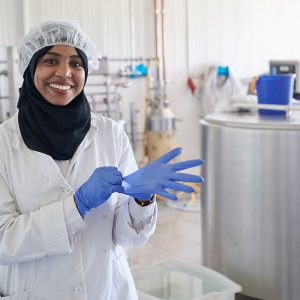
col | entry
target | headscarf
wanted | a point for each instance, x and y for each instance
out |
(52, 129)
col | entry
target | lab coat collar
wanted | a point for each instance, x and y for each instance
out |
(43, 162)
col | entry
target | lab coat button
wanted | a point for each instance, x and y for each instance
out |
(78, 289)
(74, 239)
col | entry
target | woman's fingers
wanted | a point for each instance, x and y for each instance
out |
(177, 186)
(169, 155)
(186, 164)
(165, 194)
(186, 177)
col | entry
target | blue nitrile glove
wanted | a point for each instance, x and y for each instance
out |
(98, 188)
(157, 176)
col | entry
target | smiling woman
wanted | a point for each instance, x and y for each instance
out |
(63, 225)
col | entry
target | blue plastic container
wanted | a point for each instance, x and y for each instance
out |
(274, 89)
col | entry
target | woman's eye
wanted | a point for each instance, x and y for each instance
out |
(76, 64)
(50, 61)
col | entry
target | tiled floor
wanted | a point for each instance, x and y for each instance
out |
(177, 235)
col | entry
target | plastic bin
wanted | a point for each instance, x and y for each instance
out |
(275, 89)
(177, 280)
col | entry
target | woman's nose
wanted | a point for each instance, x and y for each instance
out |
(63, 70)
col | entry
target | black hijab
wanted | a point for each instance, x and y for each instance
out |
(52, 129)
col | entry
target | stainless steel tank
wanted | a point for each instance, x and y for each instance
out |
(251, 202)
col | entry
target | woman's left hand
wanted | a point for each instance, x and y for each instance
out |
(157, 176)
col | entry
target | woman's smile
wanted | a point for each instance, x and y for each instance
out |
(60, 87)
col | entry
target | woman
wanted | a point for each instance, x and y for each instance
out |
(71, 197)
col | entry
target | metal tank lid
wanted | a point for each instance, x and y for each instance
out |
(253, 120)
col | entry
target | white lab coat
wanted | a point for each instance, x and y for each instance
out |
(47, 251)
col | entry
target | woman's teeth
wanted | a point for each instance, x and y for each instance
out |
(60, 87)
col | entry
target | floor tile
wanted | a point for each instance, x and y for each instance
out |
(177, 236)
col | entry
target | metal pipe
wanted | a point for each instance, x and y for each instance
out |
(133, 125)
(25, 14)
(163, 42)
(187, 36)
(11, 81)
(131, 30)
(157, 37)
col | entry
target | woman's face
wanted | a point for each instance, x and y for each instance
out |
(59, 75)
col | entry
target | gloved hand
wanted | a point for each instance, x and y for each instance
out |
(157, 176)
(98, 188)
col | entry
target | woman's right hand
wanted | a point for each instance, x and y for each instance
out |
(98, 188)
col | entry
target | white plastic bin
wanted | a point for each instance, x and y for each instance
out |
(177, 280)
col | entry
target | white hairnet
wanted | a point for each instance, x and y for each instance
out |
(49, 33)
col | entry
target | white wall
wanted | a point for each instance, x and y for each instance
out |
(243, 34)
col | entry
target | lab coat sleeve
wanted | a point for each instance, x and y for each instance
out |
(74, 221)
(133, 224)
(29, 236)
(143, 218)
